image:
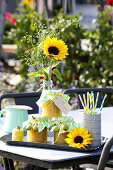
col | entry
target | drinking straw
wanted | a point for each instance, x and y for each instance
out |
(91, 101)
(84, 99)
(96, 100)
(81, 101)
(88, 101)
(102, 103)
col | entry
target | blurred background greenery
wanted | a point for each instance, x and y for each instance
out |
(89, 63)
(90, 59)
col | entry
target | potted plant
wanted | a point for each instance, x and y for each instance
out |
(61, 126)
(37, 129)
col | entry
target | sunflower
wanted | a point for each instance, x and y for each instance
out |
(27, 2)
(79, 138)
(55, 48)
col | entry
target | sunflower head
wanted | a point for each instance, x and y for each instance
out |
(79, 138)
(55, 48)
(27, 2)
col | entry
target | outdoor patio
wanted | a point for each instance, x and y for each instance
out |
(46, 48)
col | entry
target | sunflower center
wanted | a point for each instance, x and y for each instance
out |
(53, 50)
(78, 139)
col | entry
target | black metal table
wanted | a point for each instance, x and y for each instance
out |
(53, 159)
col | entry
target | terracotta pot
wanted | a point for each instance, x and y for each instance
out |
(40, 137)
(60, 139)
(49, 109)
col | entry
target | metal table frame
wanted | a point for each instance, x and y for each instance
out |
(57, 159)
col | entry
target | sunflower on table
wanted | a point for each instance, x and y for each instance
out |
(79, 138)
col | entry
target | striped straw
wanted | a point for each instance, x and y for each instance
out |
(88, 101)
(84, 99)
(81, 101)
(91, 101)
(102, 103)
(96, 100)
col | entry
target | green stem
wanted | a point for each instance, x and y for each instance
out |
(49, 75)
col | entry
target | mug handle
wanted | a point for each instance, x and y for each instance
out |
(2, 111)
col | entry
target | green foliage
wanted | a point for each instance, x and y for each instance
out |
(57, 73)
(53, 27)
(7, 39)
(29, 32)
(90, 67)
(39, 73)
(63, 124)
(98, 69)
(40, 123)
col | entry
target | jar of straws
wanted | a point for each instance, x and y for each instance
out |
(91, 116)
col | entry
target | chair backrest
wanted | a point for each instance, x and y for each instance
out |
(82, 91)
(28, 99)
(105, 154)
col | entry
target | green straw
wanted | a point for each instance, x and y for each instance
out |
(96, 100)
(91, 101)
(88, 95)
(102, 103)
